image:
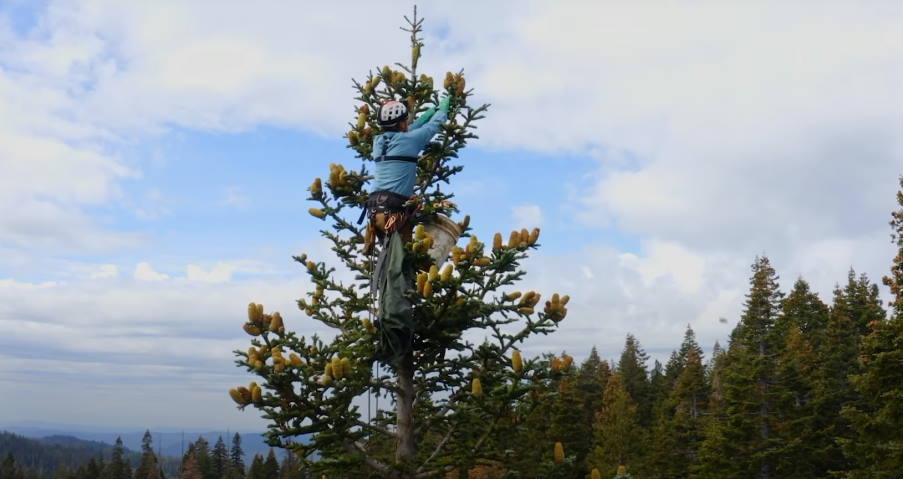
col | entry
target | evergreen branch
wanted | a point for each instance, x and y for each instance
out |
(371, 461)
(438, 449)
(376, 428)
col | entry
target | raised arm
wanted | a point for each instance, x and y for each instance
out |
(424, 131)
(422, 119)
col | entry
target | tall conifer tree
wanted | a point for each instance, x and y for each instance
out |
(236, 458)
(591, 380)
(877, 448)
(149, 468)
(618, 436)
(635, 376)
(257, 469)
(271, 465)
(680, 425)
(745, 429)
(119, 467)
(219, 459)
(190, 467)
(449, 390)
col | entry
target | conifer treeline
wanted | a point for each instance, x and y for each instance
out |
(804, 389)
(780, 401)
(198, 462)
(201, 462)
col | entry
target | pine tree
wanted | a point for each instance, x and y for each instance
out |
(680, 426)
(236, 458)
(805, 311)
(635, 376)
(591, 380)
(104, 470)
(91, 470)
(190, 467)
(530, 431)
(310, 386)
(566, 426)
(877, 448)
(219, 459)
(291, 468)
(618, 437)
(9, 470)
(119, 468)
(744, 429)
(271, 465)
(257, 469)
(149, 467)
(202, 456)
(658, 388)
(804, 324)
(793, 405)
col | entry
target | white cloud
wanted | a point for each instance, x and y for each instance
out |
(106, 271)
(695, 110)
(527, 216)
(145, 272)
(221, 272)
(663, 259)
(176, 336)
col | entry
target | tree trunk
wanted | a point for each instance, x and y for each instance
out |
(407, 448)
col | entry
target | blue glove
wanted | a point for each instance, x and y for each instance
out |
(425, 116)
(443, 103)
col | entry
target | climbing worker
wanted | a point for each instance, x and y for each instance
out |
(395, 153)
(390, 208)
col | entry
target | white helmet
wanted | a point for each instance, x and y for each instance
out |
(392, 112)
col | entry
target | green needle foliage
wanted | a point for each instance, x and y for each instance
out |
(310, 388)
(877, 420)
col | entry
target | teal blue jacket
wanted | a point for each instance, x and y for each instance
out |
(398, 176)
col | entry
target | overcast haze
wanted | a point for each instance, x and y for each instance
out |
(154, 158)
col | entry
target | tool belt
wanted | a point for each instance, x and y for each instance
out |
(385, 202)
(388, 212)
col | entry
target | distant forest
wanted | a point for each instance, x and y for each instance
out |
(65, 457)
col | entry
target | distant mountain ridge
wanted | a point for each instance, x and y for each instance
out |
(165, 443)
(46, 457)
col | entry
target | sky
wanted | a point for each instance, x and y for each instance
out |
(154, 158)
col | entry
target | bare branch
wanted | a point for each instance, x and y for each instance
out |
(371, 461)
(376, 428)
(438, 448)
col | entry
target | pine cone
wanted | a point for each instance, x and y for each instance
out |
(497, 242)
(251, 329)
(256, 393)
(446, 272)
(295, 360)
(316, 188)
(512, 296)
(517, 364)
(559, 453)
(514, 239)
(245, 394)
(237, 397)
(317, 212)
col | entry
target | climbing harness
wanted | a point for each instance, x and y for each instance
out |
(387, 202)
